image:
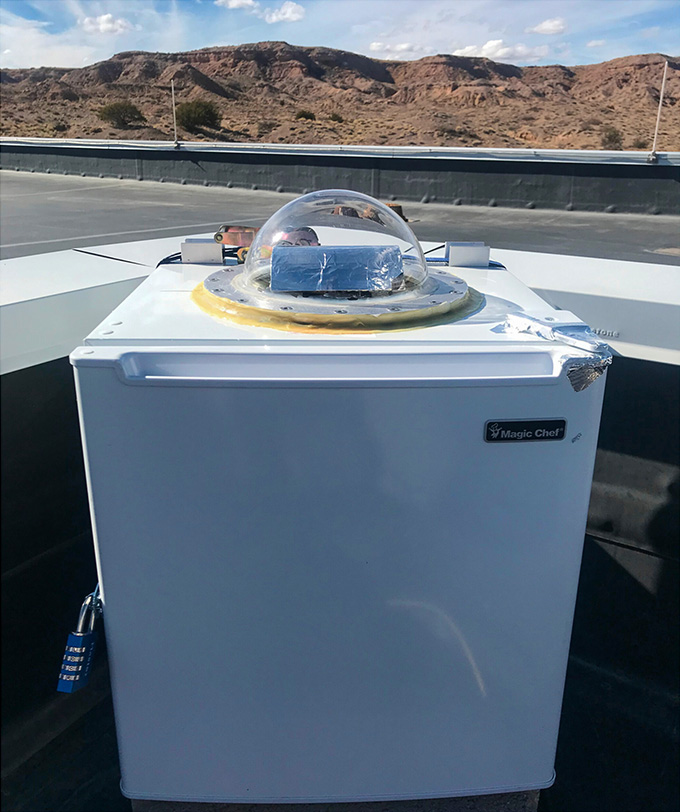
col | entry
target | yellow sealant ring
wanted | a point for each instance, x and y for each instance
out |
(222, 308)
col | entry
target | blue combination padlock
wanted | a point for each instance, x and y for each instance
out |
(77, 662)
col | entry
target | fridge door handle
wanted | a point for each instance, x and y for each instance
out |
(201, 368)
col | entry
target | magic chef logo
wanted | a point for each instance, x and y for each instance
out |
(523, 431)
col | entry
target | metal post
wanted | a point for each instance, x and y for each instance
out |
(174, 112)
(652, 155)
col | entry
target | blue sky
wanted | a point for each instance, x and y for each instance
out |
(72, 33)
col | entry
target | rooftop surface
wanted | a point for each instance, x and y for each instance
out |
(43, 213)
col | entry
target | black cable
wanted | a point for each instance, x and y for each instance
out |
(171, 258)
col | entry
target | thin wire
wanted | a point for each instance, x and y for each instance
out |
(174, 110)
(658, 115)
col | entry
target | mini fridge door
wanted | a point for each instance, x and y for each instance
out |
(333, 576)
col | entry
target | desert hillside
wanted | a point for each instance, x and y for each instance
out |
(444, 100)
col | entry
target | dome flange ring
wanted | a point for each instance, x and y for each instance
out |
(440, 288)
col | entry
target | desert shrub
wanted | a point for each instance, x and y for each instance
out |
(69, 94)
(611, 137)
(460, 133)
(199, 113)
(60, 127)
(449, 132)
(306, 114)
(265, 127)
(121, 114)
(336, 117)
(640, 143)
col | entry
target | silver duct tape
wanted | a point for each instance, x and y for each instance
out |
(582, 370)
(575, 335)
(317, 268)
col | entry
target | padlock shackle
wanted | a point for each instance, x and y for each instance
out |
(91, 605)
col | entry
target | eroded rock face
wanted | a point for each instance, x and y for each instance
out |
(437, 100)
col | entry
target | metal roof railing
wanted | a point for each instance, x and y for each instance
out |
(569, 156)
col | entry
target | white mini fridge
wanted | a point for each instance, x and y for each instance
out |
(338, 526)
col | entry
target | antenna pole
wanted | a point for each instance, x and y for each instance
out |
(174, 112)
(652, 156)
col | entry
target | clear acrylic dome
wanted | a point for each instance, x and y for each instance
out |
(333, 242)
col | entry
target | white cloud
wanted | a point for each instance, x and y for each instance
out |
(555, 25)
(33, 46)
(289, 12)
(60, 40)
(105, 24)
(595, 43)
(495, 49)
(248, 4)
(399, 49)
